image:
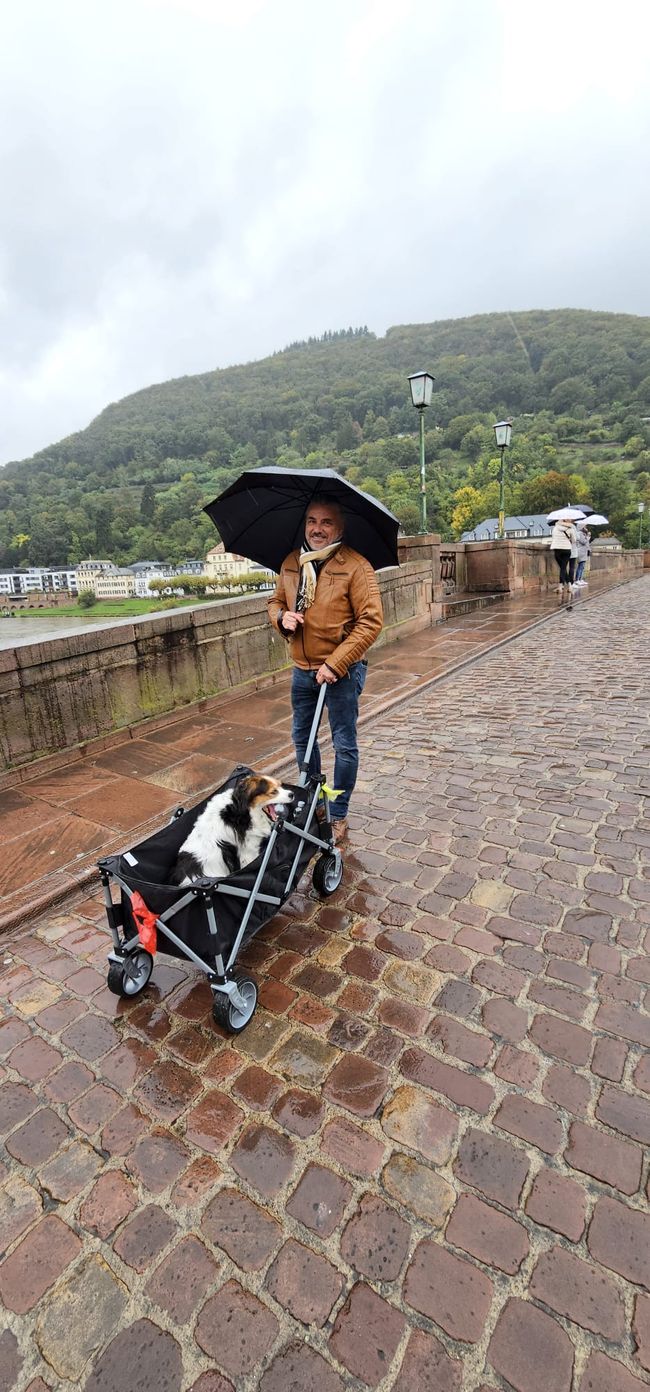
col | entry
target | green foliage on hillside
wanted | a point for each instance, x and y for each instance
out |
(576, 383)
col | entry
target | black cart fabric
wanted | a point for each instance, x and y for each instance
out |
(147, 866)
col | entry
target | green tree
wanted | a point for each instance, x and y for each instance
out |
(346, 435)
(458, 428)
(104, 530)
(473, 442)
(372, 486)
(378, 429)
(641, 464)
(490, 495)
(190, 584)
(611, 493)
(544, 492)
(148, 503)
(467, 510)
(409, 518)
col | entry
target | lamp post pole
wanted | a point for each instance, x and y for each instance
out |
(502, 495)
(503, 433)
(640, 510)
(423, 475)
(421, 384)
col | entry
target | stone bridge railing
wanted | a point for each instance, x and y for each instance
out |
(61, 694)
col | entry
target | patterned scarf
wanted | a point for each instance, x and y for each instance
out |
(309, 574)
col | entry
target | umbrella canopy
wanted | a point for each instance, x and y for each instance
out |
(596, 519)
(262, 515)
(566, 514)
(582, 507)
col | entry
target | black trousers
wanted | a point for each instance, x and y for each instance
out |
(567, 565)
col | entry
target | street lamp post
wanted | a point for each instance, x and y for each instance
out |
(640, 507)
(503, 433)
(421, 384)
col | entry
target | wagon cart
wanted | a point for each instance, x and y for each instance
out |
(210, 920)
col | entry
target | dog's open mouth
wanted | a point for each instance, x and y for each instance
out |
(272, 811)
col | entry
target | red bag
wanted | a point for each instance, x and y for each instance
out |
(146, 923)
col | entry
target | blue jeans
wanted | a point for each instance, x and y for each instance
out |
(342, 701)
(580, 570)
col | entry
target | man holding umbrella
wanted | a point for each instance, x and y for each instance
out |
(326, 539)
(327, 606)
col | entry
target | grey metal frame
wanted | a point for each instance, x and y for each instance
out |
(207, 889)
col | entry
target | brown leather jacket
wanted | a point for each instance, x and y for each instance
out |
(344, 619)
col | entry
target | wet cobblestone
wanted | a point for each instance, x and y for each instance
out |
(425, 1165)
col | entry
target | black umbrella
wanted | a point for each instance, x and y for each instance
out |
(262, 515)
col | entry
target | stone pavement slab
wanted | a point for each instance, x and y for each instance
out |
(425, 1163)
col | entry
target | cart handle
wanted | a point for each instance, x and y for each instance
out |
(304, 767)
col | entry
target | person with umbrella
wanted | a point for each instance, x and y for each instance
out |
(584, 538)
(564, 546)
(326, 539)
(327, 606)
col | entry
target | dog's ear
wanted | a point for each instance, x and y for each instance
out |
(242, 793)
(261, 788)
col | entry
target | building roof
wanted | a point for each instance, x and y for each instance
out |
(92, 564)
(148, 565)
(533, 522)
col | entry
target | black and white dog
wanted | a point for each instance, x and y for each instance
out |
(231, 830)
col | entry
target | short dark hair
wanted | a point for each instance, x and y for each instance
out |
(326, 500)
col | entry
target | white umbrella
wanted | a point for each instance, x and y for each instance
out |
(597, 520)
(566, 514)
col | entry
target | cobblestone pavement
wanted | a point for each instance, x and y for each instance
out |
(422, 1167)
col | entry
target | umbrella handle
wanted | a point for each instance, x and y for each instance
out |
(304, 768)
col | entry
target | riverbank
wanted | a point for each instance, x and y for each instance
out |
(40, 625)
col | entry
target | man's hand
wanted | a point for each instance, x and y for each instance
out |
(325, 674)
(290, 620)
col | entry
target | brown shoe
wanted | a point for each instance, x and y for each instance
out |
(340, 829)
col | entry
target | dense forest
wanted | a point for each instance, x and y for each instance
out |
(575, 383)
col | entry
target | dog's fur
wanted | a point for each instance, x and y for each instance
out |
(231, 830)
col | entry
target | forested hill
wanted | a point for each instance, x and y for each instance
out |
(130, 486)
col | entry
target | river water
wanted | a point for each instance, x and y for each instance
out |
(17, 633)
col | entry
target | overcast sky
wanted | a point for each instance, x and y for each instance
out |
(186, 184)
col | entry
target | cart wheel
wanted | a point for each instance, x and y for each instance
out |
(328, 873)
(226, 1014)
(130, 976)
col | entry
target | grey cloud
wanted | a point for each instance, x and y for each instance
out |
(186, 186)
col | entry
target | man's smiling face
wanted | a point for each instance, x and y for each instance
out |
(323, 525)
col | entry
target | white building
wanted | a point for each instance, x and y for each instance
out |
(38, 580)
(115, 584)
(88, 572)
(10, 582)
(225, 565)
(606, 543)
(143, 572)
(191, 567)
